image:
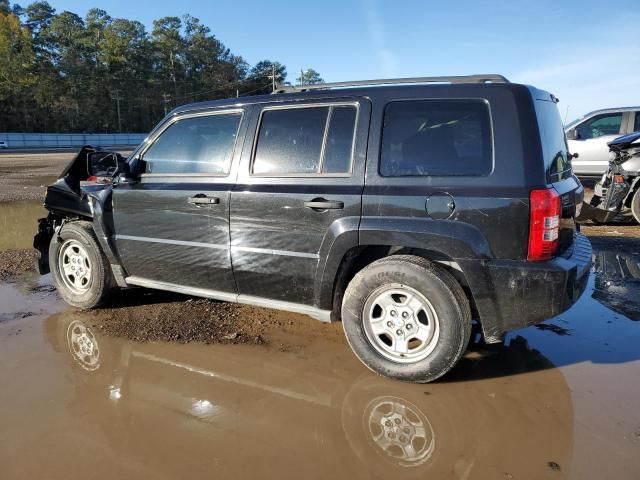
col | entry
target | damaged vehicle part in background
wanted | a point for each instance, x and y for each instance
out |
(407, 208)
(618, 191)
(589, 135)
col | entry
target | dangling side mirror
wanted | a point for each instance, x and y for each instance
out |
(572, 134)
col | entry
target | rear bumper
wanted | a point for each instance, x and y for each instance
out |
(525, 293)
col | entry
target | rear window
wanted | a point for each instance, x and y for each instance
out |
(436, 138)
(552, 137)
(305, 141)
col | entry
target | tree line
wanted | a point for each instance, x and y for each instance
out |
(60, 72)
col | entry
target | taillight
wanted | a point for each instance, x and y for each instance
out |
(544, 224)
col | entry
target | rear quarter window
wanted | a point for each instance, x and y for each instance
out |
(436, 138)
(553, 141)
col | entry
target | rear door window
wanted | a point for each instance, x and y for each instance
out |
(195, 145)
(305, 141)
(436, 138)
(339, 141)
(636, 127)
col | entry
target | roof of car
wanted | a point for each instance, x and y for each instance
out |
(603, 110)
(355, 88)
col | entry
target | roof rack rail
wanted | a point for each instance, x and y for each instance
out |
(488, 78)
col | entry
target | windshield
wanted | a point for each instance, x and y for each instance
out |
(573, 122)
(554, 144)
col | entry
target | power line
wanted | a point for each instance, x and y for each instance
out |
(224, 86)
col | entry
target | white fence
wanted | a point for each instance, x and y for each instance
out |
(67, 140)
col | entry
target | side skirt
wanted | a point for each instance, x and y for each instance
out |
(313, 312)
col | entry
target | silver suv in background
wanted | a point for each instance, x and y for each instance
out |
(588, 137)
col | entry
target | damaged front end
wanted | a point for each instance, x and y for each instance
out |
(82, 188)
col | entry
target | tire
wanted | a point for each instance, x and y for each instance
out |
(635, 205)
(406, 318)
(76, 247)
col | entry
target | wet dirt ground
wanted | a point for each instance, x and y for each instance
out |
(242, 392)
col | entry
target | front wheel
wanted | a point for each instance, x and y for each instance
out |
(635, 205)
(80, 271)
(406, 318)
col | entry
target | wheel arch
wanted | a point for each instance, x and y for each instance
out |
(357, 258)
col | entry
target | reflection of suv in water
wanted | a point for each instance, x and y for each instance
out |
(405, 210)
(216, 408)
(588, 137)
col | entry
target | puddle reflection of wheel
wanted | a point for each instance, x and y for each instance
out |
(396, 431)
(399, 430)
(83, 345)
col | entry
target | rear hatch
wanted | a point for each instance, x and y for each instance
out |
(558, 167)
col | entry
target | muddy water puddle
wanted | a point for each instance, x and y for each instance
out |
(554, 402)
(18, 222)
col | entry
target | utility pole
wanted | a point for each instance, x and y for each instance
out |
(273, 77)
(116, 96)
(301, 77)
(166, 98)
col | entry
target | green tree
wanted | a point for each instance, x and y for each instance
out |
(262, 75)
(211, 70)
(168, 47)
(60, 72)
(309, 77)
(16, 63)
(125, 57)
(69, 37)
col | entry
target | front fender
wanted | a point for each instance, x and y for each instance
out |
(100, 204)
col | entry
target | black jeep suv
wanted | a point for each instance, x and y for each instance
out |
(407, 208)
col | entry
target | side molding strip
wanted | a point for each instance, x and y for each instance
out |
(268, 251)
(171, 242)
(313, 312)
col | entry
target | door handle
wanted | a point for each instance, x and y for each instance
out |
(322, 204)
(202, 199)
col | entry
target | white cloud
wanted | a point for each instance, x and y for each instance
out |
(595, 70)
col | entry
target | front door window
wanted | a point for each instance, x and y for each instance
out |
(600, 125)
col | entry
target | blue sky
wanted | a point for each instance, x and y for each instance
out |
(586, 52)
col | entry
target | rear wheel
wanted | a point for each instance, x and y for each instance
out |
(406, 318)
(80, 271)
